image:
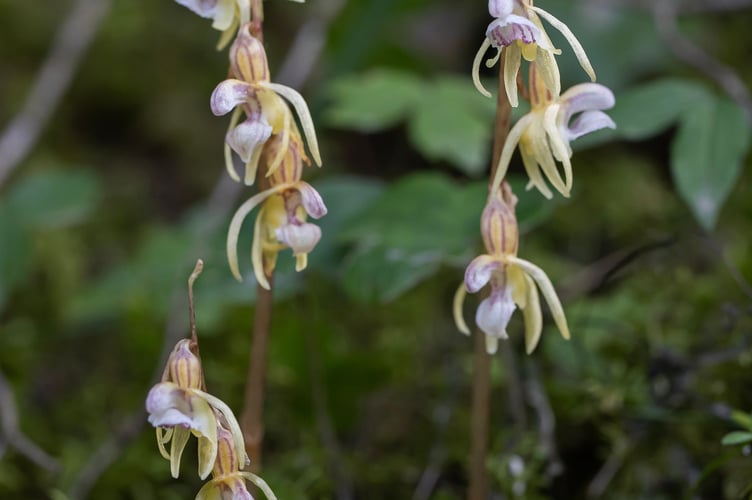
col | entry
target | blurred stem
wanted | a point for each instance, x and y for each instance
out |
(252, 419)
(257, 19)
(478, 487)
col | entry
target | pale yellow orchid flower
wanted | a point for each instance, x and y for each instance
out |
(228, 481)
(545, 132)
(518, 29)
(265, 106)
(281, 222)
(178, 405)
(514, 281)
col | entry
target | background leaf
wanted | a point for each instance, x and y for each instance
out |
(707, 154)
(54, 198)
(374, 100)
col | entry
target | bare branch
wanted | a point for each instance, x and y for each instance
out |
(665, 15)
(74, 37)
(11, 434)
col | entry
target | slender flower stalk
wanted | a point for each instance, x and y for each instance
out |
(179, 407)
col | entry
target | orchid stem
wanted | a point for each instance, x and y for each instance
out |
(478, 486)
(252, 418)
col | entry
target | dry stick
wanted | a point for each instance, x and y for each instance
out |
(76, 34)
(478, 487)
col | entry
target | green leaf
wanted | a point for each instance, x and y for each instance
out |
(707, 154)
(454, 123)
(346, 198)
(736, 437)
(15, 253)
(402, 238)
(54, 198)
(383, 273)
(373, 101)
(649, 109)
(742, 418)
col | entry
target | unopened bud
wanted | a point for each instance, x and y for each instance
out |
(184, 367)
(248, 58)
(498, 224)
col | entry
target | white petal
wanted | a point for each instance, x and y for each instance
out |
(586, 96)
(228, 94)
(224, 15)
(204, 8)
(302, 239)
(260, 484)
(311, 200)
(249, 136)
(479, 272)
(500, 8)
(494, 313)
(587, 122)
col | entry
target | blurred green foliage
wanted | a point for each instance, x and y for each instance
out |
(369, 382)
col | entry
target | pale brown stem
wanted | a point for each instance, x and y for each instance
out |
(252, 418)
(478, 486)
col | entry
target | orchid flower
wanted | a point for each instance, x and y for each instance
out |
(267, 113)
(178, 405)
(228, 481)
(514, 282)
(281, 222)
(545, 132)
(518, 28)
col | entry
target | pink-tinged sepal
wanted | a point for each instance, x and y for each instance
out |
(229, 94)
(479, 272)
(311, 200)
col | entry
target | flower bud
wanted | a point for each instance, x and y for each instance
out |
(184, 367)
(248, 58)
(498, 224)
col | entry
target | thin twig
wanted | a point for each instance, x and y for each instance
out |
(74, 37)
(11, 434)
(665, 16)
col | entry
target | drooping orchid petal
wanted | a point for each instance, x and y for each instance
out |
(545, 133)
(513, 281)
(186, 412)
